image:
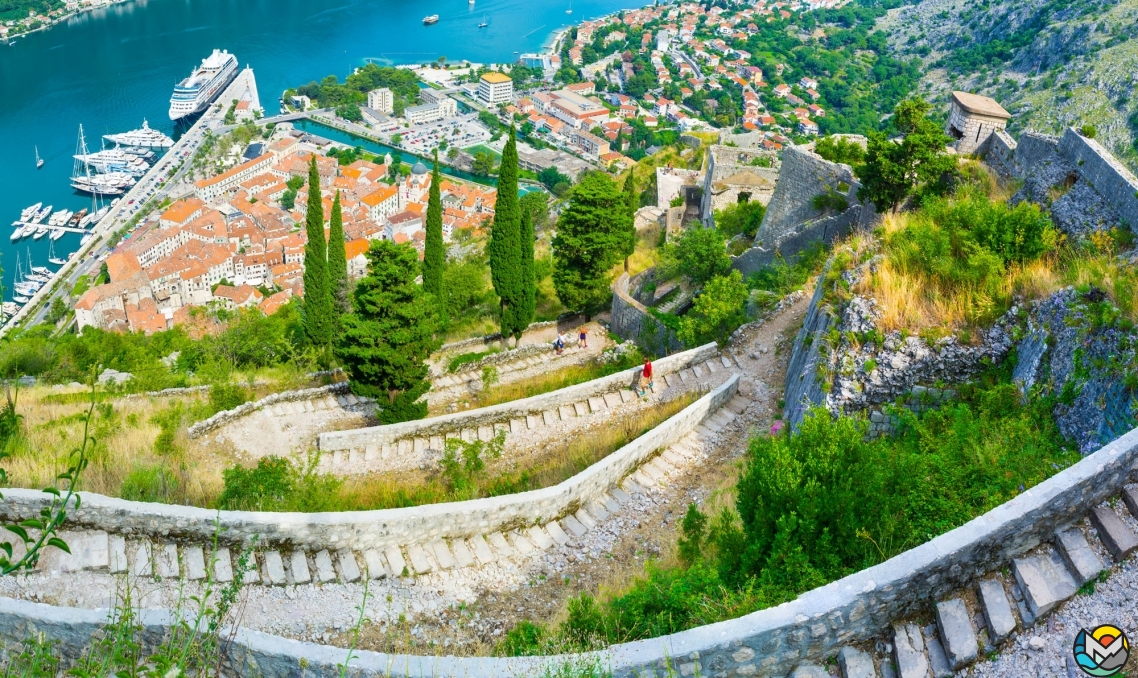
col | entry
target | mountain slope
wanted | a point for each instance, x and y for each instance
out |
(1051, 63)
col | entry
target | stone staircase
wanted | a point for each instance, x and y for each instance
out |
(119, 554)
(978, 621)
(414, 450)
(348, 402)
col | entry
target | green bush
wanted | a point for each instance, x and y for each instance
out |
(782, 278)
(717, 312)
(150, 483)
(277, 484)
(700, 254)
(837, 149)
(465, 359)
(226, 396)
(740, 218)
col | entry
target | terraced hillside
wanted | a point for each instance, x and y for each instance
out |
(1052, 63)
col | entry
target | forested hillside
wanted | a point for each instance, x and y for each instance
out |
(1051, 63)
(18, 9)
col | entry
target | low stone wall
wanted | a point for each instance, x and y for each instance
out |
(379, 529)
(919, 399)
(631, 320)
(222, 418)
(1001, 152)
(826, 229)
(803, 387)
(484, 342)
(769, 642)
(375, 437)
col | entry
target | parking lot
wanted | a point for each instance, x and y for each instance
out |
(461, 131)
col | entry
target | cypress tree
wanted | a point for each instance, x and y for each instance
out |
(433, 254)
(528, 304)
(338, 261)
(505, 269)
(317, 292)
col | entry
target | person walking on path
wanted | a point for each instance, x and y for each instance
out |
(645, 378)
(583, 338)
(559, 343)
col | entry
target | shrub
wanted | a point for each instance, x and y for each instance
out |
(277, 484)
(837, 149)
(700, 254)
(465, 359)
(717, 312)
(740, 218)
(150, 483)
(226, 396)
(1089, 131)
(782, 278)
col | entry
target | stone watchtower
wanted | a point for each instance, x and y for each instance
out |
(972, 119)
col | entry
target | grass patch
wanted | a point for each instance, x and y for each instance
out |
(466, 358)
(817, 506)
(483, 148)
(552, 381)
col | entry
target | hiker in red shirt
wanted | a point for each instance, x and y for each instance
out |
(646, 377)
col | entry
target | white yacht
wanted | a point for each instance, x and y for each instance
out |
(144, 137)
(198, 91)
(114, 160)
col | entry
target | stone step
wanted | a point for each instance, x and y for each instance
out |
(643, 480)
(938, 662)
(737, 404)
(482, 550)
(557, 533)
(417, 559)
(395, 561)
(325, 571)
(997, 610)
(620, 495)
(726, 362)
(672, 458)
(1044, 581)
(855, 664)
(909, 652)
(956, 633)
(585, 519)
(1119, 541)
(522, 545)
(462, 554)
(705, 431)
(573, 526)
(597, 510)
(712, 365)
(501, 547)
(567, 412)
(1082, 562)
(274, 568)
(809, 671)
(1130, 498)
(374, 564)
(539, 537)
(632, 487)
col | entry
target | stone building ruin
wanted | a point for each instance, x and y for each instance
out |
(972, 120)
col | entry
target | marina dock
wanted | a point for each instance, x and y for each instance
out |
(170, 165)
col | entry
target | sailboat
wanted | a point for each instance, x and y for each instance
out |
(570, 10)
(484, 23)
(51, 258)
(39, 160)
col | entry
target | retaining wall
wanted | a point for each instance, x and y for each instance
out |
(222, 418)
(766, 643)
(803, 387)
(631, 320)
(1116, 184)
(375, 529)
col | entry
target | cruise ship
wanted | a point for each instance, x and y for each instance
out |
(144, 137)
(198, 91)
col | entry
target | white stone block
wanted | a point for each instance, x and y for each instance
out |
(418, 557)
(539, 537)
(194, 559)
(298, 565)
(481, 549)
(117, 562)
(500, 545)
(142, 566)
(556, 533)
(374, 562)
(274, 568)
(395, 561)
(324, 570)
(349, 567)
(222, 566)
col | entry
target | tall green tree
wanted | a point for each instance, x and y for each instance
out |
(434, 257)
(630, 227)
(894, 169)
(504, 248)
(318, 313)
(384, 344)
(528, 305)
(338, 261)
(591, 238)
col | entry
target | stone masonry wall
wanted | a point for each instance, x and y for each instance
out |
(802, 176)
(367, 442)
(803, 386)
(222, 418)
(378, 529)
(631, 320)
(1116, 184)
(769, 642)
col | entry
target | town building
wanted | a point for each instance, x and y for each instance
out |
(381, 100)
(495, 88)
(441, 109)
(207, 190)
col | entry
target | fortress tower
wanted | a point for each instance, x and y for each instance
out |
(972, 119)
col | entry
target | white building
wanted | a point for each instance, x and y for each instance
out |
(381, 100)
(443, 108)
(495, 88)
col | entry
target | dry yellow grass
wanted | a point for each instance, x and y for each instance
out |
(124, 436)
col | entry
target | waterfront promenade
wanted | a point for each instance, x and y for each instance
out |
(158, 183)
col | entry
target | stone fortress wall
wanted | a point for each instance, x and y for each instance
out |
(339, 391)
(769, 642)
(406, 443)
(730, 172)
(379, 529)
(631, 320)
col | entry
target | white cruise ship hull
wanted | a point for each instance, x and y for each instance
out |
(194, 94)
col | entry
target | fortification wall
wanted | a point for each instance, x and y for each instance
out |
(222, 418)
(803, 387)
(631, 320)
(769, 642)
(379, 529)
(803, 176)
(1116, 184)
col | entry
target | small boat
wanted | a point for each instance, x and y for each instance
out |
(30, 211)
(41, 215)
(20, 300)
(484, 23)
(42, 270)
(570, 10)
(57, 233)
(51, 255)
(40, 232)
(39, 160)
(17, 234)
(432, 19)
(75, 218)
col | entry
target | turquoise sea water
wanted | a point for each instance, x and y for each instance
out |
(109, 69)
